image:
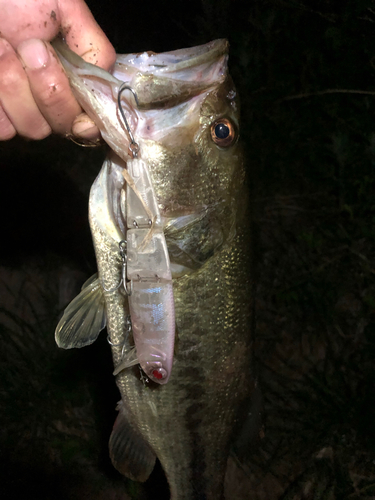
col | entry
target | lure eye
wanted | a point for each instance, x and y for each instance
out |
(158, 373)
(223, 132)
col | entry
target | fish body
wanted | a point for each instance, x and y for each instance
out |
(186, 126)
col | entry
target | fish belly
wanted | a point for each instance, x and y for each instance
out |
(189, 422)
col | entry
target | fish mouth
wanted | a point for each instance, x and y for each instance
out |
(159, 80)
(175, 82)
(170, 78)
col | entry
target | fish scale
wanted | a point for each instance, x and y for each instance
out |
(189, 422)
(183, 405)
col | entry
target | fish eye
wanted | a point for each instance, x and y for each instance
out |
(223, 132)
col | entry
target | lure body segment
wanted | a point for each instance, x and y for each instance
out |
(148, 271)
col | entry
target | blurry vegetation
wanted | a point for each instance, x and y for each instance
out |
(305, 71)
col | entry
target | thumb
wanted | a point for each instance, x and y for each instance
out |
(83, 34)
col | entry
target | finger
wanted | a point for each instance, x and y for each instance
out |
(83, 34)
(24, 19)
(16, 98)
(49, 85)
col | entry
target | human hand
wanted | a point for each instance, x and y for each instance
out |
(35, 96)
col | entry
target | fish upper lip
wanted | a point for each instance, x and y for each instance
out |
(66, 55)
(169, 78)
(185, 58)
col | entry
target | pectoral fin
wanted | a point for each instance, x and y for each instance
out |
(129, 452)
(84, 318)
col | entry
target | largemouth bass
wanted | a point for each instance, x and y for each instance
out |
(179, 157)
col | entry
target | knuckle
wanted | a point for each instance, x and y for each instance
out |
(11, 79)
(57, 104)
(54, 96)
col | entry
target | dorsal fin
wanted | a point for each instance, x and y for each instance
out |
(129, 452)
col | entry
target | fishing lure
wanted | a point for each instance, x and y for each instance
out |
(146, 279)
(148, 269)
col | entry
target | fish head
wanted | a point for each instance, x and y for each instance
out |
(187, 126)
(186, 123)
(187, 120)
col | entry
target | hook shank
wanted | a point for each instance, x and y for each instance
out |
(134, 147)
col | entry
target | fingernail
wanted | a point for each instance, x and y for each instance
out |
(33, 53)
(84, 127)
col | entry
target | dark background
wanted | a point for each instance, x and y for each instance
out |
(305, 71)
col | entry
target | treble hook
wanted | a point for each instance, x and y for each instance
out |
(134, 147)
